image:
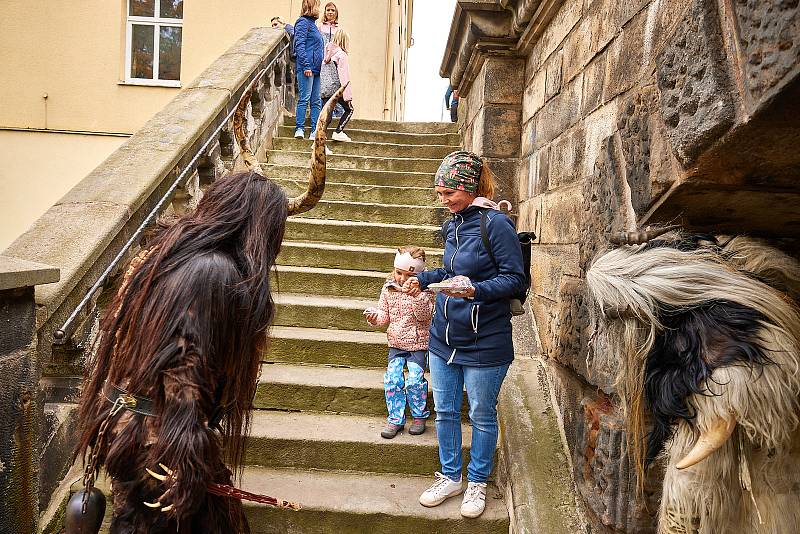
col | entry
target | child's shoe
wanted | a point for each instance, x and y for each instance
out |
(341, 136)
(299, 133)
(312, 136)
(390, 430)
(440, 490)
(474, 500)
(417, 427)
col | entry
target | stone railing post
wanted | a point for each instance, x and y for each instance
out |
(20, 415)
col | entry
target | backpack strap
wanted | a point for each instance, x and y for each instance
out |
(485, 238)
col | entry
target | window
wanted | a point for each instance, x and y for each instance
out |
(153, 50)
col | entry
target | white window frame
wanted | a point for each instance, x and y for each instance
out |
(157, 21)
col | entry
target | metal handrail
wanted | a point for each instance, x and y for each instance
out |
(60, 336)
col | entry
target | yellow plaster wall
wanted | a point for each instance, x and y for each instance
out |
(73, 52)
(39, 168)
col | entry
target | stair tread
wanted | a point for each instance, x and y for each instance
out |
(304, 181)
(322, 301)
(325, 334)
(336, 222)
(344, 169)
(345, 203)
(290, 129)
(359, 156)
(411, 146)
(326, 270)
(362, 493)
(321, 376)
(352, 248)
(339, 428)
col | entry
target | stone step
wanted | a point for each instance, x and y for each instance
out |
(341, 502)
(375, 163)
(330, 282)
(313, 440)
(351, 176)
(356, 503)
(362, 233)
(376, 213)
(335, 313)
(377, 136)
(322, 388)
(347, 256)
(390, 126)
(380, 194)
(295, 345)
(364, 148)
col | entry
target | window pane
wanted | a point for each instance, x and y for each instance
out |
(171, 9)
(169, 57)
(142, 51)
(142, 8)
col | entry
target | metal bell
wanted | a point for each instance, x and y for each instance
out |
(77, 522)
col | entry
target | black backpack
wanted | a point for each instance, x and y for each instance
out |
(525, 240)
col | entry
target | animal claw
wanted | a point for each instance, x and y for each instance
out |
(152, 504)
(156, 475)
(166, 469)
(168, 508)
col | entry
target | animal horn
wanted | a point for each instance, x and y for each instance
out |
(316, 177)
(639, 237)
(712, 439)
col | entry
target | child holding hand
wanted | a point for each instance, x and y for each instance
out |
(409, 319)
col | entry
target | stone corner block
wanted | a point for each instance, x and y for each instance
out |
(17, 273)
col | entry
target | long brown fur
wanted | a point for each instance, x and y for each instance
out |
(187, 330)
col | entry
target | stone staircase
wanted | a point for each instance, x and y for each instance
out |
(320, 407)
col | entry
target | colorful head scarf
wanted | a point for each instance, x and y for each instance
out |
(459, 170)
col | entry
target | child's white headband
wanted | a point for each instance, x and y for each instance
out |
(405, 262)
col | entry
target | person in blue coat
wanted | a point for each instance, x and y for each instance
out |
(470, 343)
(309, 51)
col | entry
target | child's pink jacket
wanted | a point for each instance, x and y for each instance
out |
(339, 56)
(409, 318)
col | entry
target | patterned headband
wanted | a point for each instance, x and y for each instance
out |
(460, 170)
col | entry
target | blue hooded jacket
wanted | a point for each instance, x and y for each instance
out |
(308, 46)
(477, 332)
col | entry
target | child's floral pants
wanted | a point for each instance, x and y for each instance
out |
(399, 390)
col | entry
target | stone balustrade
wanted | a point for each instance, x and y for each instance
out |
(192, 141)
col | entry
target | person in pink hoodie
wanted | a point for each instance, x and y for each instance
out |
(336, 51)
(409, 320)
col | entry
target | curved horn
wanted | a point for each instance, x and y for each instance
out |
(316, 177)
(639, 237)
(712, 439)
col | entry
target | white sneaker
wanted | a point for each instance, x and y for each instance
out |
(474, 499)
(328, 151)
(341, 136)
(443, 488)
(299, 133)
(312, 135)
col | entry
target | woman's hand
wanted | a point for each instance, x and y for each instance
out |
(308, 73)
(412, 287)
(466, 292)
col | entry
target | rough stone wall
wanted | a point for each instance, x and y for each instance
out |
(625, 104)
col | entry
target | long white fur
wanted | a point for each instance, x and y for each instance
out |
(708, 498)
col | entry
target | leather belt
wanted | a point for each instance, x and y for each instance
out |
(132, 403)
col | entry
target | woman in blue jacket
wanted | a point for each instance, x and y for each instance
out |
(470, 344)
(309, 51)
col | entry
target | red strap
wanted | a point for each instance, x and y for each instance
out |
(224, 490)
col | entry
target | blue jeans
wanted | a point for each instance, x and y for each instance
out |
(483, 386)
(309, 92)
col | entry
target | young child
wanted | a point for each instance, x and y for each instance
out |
(409, 319)
(336, 51)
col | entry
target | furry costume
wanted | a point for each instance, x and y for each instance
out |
(187, 330)
(709, 351)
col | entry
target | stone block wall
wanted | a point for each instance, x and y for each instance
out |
(632, 112)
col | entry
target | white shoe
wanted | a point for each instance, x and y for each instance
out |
(328, 151)
(299, 134)
(443, 488)
(312, 135)
(341, 136)
(474, 500)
